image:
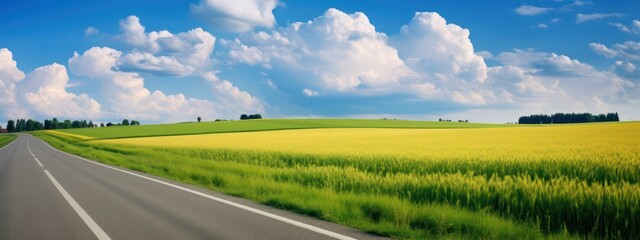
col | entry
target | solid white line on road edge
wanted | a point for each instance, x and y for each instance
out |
(250, 209)
(38, 161)
(85, 217)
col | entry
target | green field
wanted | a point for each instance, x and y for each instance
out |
(6, 139)
(440, 181)
(260, 125)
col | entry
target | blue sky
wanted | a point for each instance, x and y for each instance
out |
(172, 61)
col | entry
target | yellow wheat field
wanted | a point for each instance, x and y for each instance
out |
(618, 143)
(584, 178)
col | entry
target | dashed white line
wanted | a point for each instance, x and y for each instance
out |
(28, 147)
(38, 161)
(237, 205)
(33, 155)
(79, 210)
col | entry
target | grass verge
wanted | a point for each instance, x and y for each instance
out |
(6, 139)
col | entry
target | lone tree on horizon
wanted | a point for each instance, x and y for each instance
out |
(199, 119)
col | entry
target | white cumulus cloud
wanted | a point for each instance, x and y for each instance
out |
(628, 50)
(633, 28)
(438, 48)
(529, 10)
(230, 100)
(542, 26)
(336, 52)
(628, 70)
(164, 53)
(236, 15)
(428, 60)
(124, 91)
(628, 59)
(127, 96)
(10, 76)
(444, 59)
(309, 93)
(563, 81)
(244, 54)
(44, 90)
(91, 31)
(580, 18)
(602, 50)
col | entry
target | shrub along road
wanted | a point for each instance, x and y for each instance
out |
(48, 194)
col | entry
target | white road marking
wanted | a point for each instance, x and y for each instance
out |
(85, 217)
(38, 161)
(230, 203)
(28, 147)
(34, 156)
(79, 210)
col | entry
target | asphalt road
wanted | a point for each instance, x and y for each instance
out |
(48, 194)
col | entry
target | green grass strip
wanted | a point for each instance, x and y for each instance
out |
(5, 139)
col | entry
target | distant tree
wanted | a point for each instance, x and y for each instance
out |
(54, 123)
(90, 124)
(101, 124)
(559, 118)
(66, 124)
(76, 124)
(125, 122)
(47, 124)
(19, 126)
(244, 117)
(466, 120)
(252, 116)
(109, 124)
(134, 123)
(199, 119)
(440, 120)
(11, 126)
(29, 125)
(37, 125)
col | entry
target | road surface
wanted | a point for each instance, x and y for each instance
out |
(48, 194)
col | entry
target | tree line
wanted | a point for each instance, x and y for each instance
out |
(568, 118)
(124, 123)
(252, 116)
(449, 120)
(21, 125)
